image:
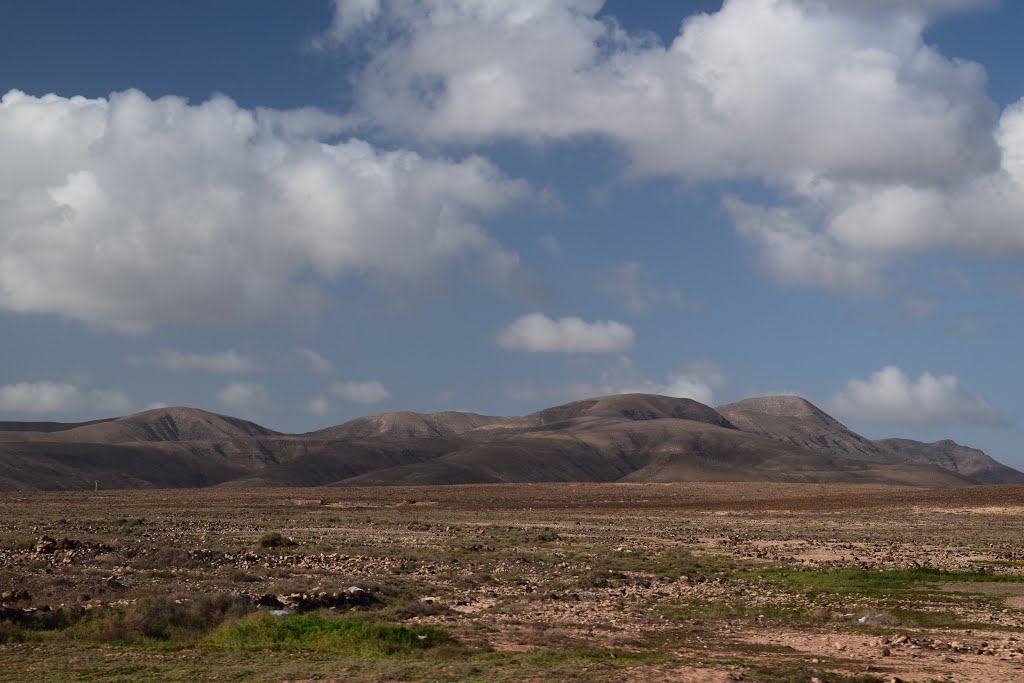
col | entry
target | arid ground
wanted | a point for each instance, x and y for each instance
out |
(575, 582)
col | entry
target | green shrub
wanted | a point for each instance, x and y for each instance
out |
(164, 619)
(318, 632)
(275, 539)
(11, 633)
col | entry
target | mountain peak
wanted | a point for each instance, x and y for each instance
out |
(177, 423)
(783, 405)
(797, 421)
(407, 425)
(632, 407)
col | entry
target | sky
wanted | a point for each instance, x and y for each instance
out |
(299, 213)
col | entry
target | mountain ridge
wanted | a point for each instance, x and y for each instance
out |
(628, 437)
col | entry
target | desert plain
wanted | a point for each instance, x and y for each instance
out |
(701, 582)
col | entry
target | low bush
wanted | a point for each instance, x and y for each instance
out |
(164, 619)
(352, 636)
(11, 633)
(275, 539)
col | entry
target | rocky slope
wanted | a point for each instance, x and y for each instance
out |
(635, 438)
(794, 420)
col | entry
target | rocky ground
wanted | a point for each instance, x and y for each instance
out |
(674, 582)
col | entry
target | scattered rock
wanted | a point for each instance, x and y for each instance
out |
(17, 595)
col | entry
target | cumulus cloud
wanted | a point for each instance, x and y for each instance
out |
(875, 143)
(221, 362)
(794, 253)
(370, 391)
(243, 395)
(349, 17)
(696, 380)
(842, 234)
(538, 333)
(316, 362)
(890, 395)
(62, 398)
(130, 212)
(759, 88)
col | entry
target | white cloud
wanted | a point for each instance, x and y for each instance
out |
(317, 363)
(793, 253)
(759, 88)
(696, 380)
(319, 406)
(130, 212)
(243, 395)
(349, 17)
(876, 143)
(539, 333)
(156, 405)
(221, 362)
(889, 395)
(361, 392)
(59, 397)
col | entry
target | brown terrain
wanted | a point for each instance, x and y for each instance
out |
(696, 582)
(630, 438)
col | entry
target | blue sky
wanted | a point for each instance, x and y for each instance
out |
(300, 213)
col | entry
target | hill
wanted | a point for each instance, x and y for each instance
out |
(161, 424)
(950, 455)
(406, 425)
(628, 438)
(797, 421)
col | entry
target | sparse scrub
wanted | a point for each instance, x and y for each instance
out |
(877, 583)
(275, 539)
(776, 674)
(357, 637)
(11, 633)
(163, 619)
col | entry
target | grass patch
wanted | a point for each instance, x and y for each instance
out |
(776, 615)
(999, 563)
(11, 633)
(161, 619)
(348, 636)
(924, 619)
(775, 674)
(872, 582)
(671, 563)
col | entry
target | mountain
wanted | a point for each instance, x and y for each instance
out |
(161, 424)
(406, 425)
(950, 455)
(632, 437)
(628, 407)
(797, 421)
